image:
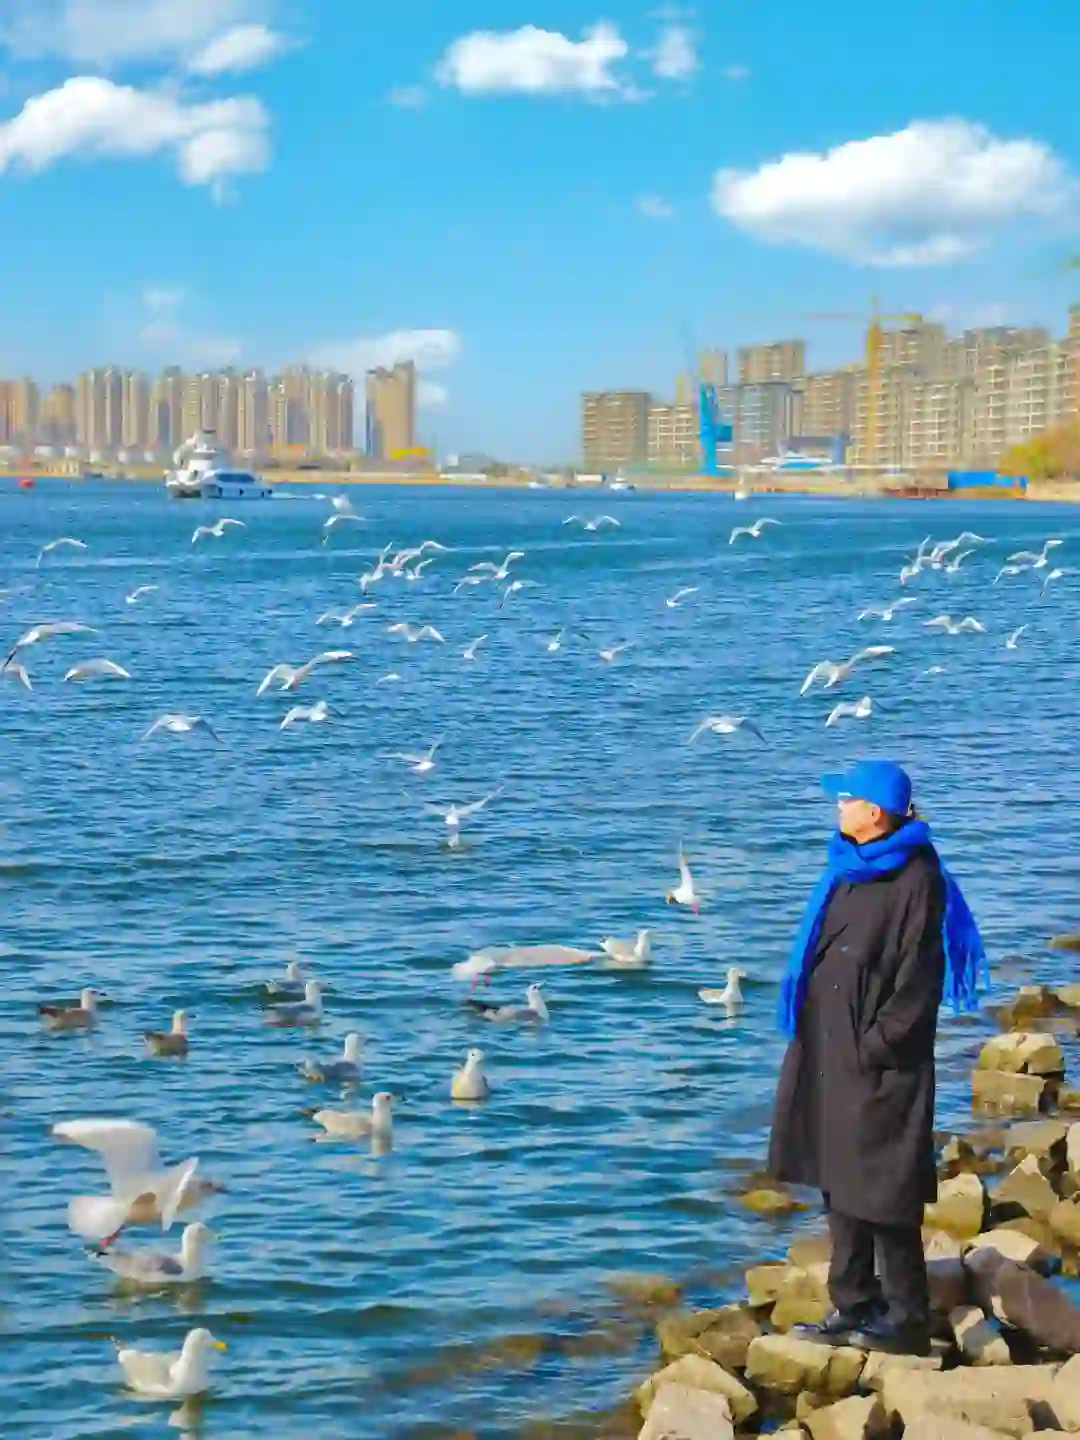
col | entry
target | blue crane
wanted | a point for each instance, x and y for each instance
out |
(713, 430)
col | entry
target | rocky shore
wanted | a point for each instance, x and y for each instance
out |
(1002, 1237)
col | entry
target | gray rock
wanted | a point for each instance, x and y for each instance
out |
(681, 1412)
(700, 1374)
(1028, 1189)
(1016, 1246)
(978, 1339)
(1026, 1301)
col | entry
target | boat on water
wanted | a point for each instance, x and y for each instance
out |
(204, 470)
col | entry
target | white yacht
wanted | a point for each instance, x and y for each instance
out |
(204, 471)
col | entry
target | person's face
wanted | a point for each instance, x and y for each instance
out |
(858, 819)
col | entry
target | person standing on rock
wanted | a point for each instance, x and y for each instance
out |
(886, 936)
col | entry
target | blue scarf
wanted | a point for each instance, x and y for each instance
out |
(966, 972)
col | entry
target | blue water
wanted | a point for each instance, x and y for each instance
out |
(461, 1283)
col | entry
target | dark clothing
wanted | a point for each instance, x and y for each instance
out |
(855, 1103)
(853, 1284)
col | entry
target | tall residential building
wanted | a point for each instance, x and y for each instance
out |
(784, 360)
(165, 421)
(615, 427)
(20, 403)
(253, 413)
(673, 435)
(826, 403)
(135, 429)
(762, 416)
(391, 411)
(228, 408)
(200, 404)
(714, 367)
(99, 409)
(57, 423)
(940, 421)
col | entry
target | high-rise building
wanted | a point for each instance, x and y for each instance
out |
(615, 427)
(253, 413)
(784, 360)
(165, 421)
(135, 429)
(20, 404)
(227, 384)
(762, 417)
(714, 367)
(99, 409)
(391, 411)
(673, 435)
(57, 423)
(825, 405)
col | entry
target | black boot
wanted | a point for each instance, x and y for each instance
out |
(885, 1335)
(837, 1328)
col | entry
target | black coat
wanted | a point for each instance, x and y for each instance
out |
(855, 1104)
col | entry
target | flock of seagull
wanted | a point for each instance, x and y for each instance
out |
(142, 1190)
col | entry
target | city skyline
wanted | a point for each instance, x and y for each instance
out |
(525, 201)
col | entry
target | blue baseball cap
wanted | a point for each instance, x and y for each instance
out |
(881, 782)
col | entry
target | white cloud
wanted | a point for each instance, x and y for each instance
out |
(676, 56)
(926, 195)
(117, 32)
(531, 61)
(430, 395)
(655, 207)
(735, 73)
(408, 97)
(244, 47)
(428, 349)
(89, 118)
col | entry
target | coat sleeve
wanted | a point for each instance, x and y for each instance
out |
(902, 1032)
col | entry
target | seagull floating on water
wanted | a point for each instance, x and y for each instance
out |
(684, 893)
(484, 963)
(78, 1014)
(533, 1012)
(334, 1071)
(727, 725)
(217, 530)
(755, 530)
(833, 674)
(64, 541)
(182, 725)
(153, 1268)
(861, 710)
(731, 995)
(171, 1376)
(293, 1014)
(354, 1125)
(470, 1082)
(172, 1042)
(628, 954)
(291, 987)
(98, 670)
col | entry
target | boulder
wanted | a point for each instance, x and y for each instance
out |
(1065, 1222)
(1072, 1149)
(1023, 1053)
(939, 1246)
(764, 1283)
(1069, 996)
(1065, 942)
(1026, 1189)
(699, 1374)
(780, 1362)
(959, 1209)
(681, 1412)
(938, 1427)
(771, 1202)
(810, 1250)
(977, 1338)
(1026, 1301)
(1045, 1139)
(803, 1299)
(1015, 1245)
(723, 1335)
(948, 1283)
(1028, 1006)
(1068, 1099)
(879, 1364)
(999, 1397)
(859, 1418)
(1001, 1092)
(1065, 1395)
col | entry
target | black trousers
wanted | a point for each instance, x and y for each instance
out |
(900, 1279)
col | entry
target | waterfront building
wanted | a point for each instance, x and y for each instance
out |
(615, 428)
(390, 427)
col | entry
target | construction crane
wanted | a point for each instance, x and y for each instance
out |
(875, 324)
(712, 428)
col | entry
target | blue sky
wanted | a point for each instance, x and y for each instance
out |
(530, 198)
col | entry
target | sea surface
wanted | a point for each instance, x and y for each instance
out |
(466, 1282)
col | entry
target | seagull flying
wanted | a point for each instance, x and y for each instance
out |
(833, 674)
(861, 710)
(345, 618)
(137, 594)
(98, 670)
(953, 627)
(56, 544)
(289, 677)
(754, 530)
(415, 633)
(453, 817)
(312, 714)
(489, 571)
(469, 653)
(46, 632)
(684, 893)
(418, 764)
(217, 530)
(612, 652)
(515, 587)
(181, 725)
(889, 610)
(17, 672)
(342, 518)
(595, 524)
(1014, 639)
(673, 602)
(727, 725)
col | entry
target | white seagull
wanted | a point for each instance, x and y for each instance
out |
(289, 988)
(469, 653)
(217, 530)
(673, 602)
(490, 571)
(953, 627)
(484, 963)
(612, 652)
(888, 611)
(153, 1268)
(143, 1191)
(311, 714)
(754, 531)
(415, 633)
(731, 995)
(1013, 640)
(533, 1012)
(38, 633)
(515, 588)
(833, 674)
(17, 672)
(330, 1072)
(97, 670)
(727, 725)
(290, 677)
(684, 893)
(555, 644)
(182, 725)
(342, 518)
(174, 1042)
(65, 540)
(173, 1376)
(597, 523)
(418, 764)
(139, 591)
(354, 1125)
(293, 1014)
(470, 1082)
(78, 1014)
(342, 504)
(453, 817)
(628, 954)
(861, 710)
(345, 618)
(1056, 574)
